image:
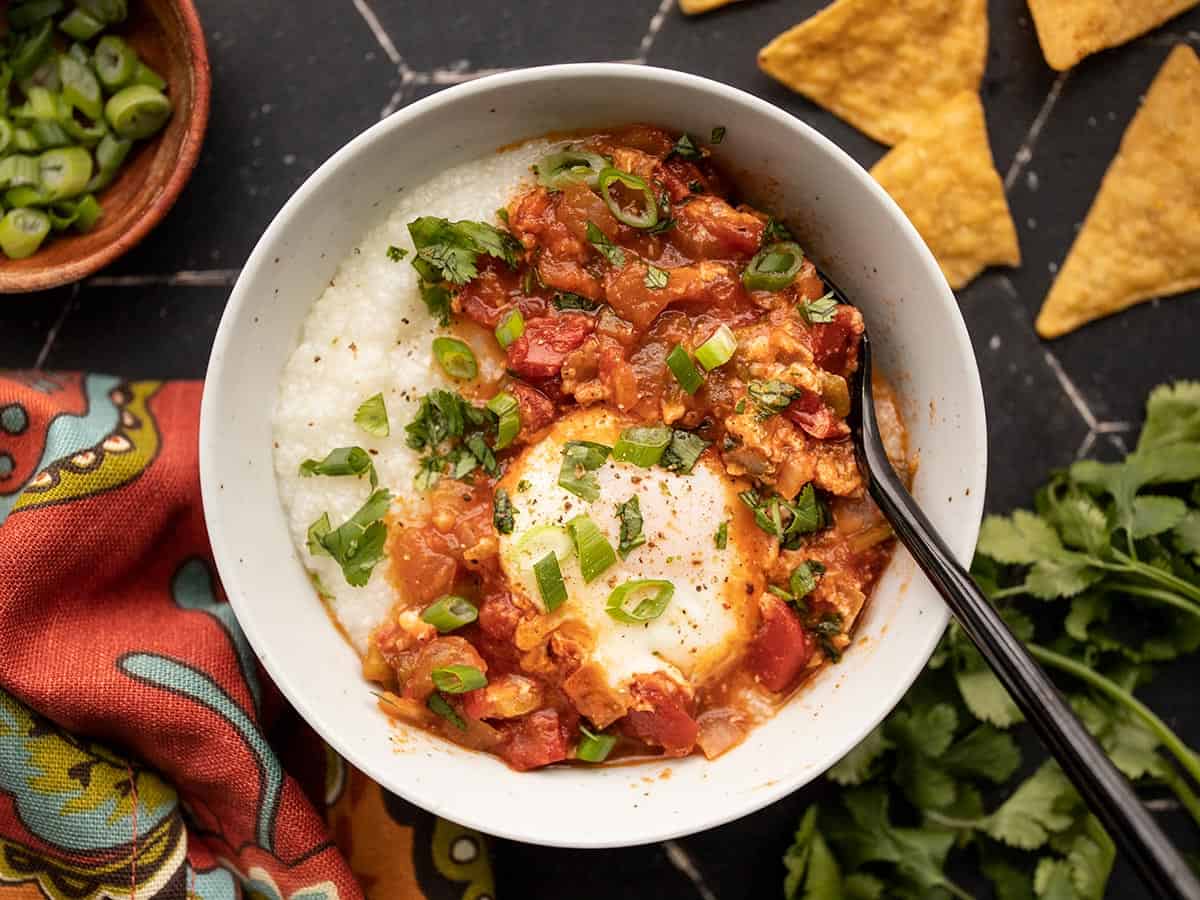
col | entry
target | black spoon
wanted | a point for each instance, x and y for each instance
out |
(1102, 787)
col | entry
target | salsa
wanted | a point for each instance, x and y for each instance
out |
(628, 281)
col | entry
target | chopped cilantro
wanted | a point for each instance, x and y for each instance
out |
(371, 416)
(341, 461)
(787, 520)
(819, 311)
(776, 231)
(721, 538)
(395, 254)
(656, 279)
(502, 512)
(629, 514)
(567, 300)
(683, 452)
(718, 135)
(580, 461)
(685, 148)
(358, 544)
(451, 433)
(771, 397)
(606, 248)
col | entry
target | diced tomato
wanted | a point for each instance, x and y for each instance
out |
(505, 697)
(423, 563)
(537, 410)
(810, 413)
(664, 721)
(714, 283)
(417, 680)
(709, 228)
(781, 648)
(835, 344)
(537, 739)
(540, 351)
(677, 176)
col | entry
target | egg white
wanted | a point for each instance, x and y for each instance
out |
(714, 609)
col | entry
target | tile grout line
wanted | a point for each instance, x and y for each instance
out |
(381, 35)
(1072, 392)
(182, 278)
(652, 30)
(682, 861)
(1024, 152)
(52, 334)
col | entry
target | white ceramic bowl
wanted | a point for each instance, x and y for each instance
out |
(844, 220)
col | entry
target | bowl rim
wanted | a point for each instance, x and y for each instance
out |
(242, 299)
(200, 75)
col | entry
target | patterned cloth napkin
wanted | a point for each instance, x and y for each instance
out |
(143, 753)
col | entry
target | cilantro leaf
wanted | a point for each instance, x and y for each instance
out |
(629, 514)
(1186, 535)
(717, 135)
(1154, 515)
(986, 697)
(860, 763)
(771, 397)
(371, 416)
(580, 460)
(567, 300)
(1172, 416)
(450, 433)
(656, 279)
(449, 251)
(683, 452)
(1009, 881)
(819, 311)
(776, 231)
(606, 248)
(341, 461)
(983, 753)
(357, 545)
(1020, 538)
(316, 531)
(395, 254)
(1043, 804)
(812, 871)
(685, 148)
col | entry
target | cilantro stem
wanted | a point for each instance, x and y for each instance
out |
(1187, 797)
(1154, 594)
(1166, 579)
(1162, 731)
(949, 886)
(1013, 591)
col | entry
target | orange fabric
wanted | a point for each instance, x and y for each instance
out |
(135, 724)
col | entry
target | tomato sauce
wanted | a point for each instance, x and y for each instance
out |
(604, 302)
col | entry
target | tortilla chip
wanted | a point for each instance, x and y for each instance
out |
(1069, 30)
(1141, 238)
(694, 7)
(881, 65)
(944, 179)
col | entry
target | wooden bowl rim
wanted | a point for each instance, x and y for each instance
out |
(189, 154)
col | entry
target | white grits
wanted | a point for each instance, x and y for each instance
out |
(369, 332)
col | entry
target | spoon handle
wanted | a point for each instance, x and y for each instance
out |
(1102, 786)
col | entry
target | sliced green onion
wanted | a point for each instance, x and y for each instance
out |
(22, 232)
(137, 111)
(568, 166)
(511, 327)
(50, 135)
(721, 538)
(774, 267)
(65, 172)
(684, 369)
(647, 218)
(550, 582)
(32, 49)
(87, 213)
(438, 704)
(24, 140)
(29, 14)
(455, 357)
(508, 411)
(458, 679)
(450, 613)
(147, 76)
(40, 104)
(28, 195)
(80, 26)
(651, 596)
(595, 552)
(80, 89)
(18, 171)
(110, 153)
(115, 61)
(718, 349)
(594, 748)
(580, 460)
(642, 445)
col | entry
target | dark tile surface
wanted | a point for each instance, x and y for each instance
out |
(293, 82)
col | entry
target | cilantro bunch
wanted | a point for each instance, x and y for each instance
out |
(1101, 581)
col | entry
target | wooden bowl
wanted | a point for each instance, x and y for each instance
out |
(168, 37)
